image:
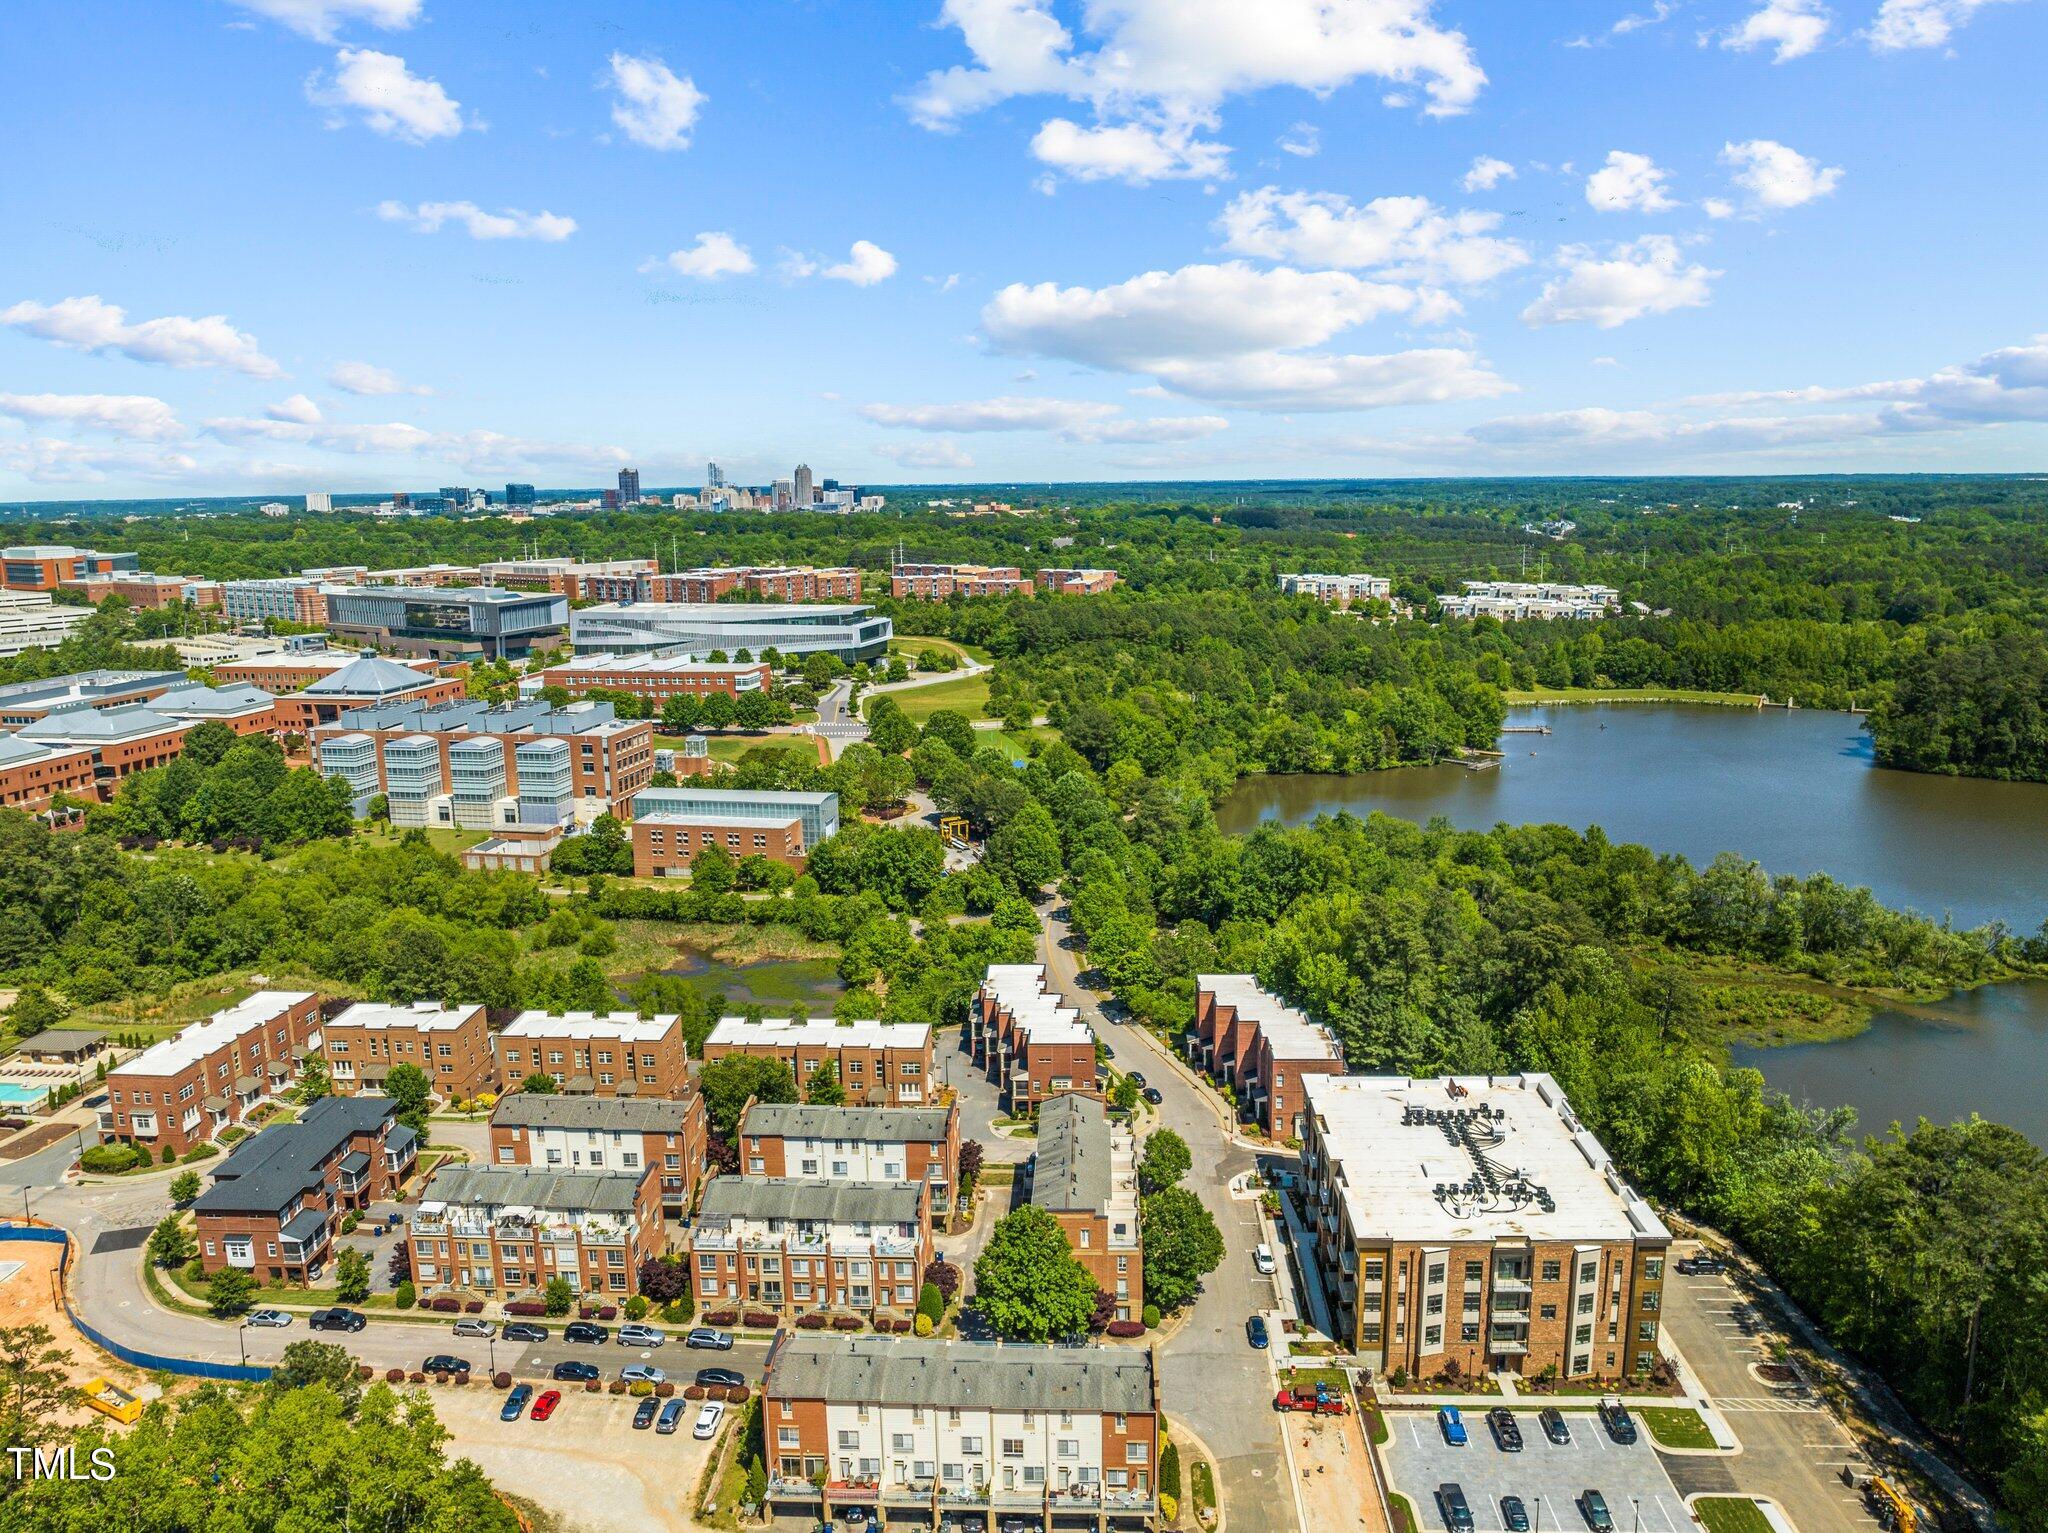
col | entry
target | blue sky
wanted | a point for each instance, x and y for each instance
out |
(279, 245)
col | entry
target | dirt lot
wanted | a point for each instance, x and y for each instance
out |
(598, 1474)
(1336, 1474)
(29, 1298)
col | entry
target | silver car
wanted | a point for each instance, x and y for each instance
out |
(269, 1317)
(641, 1336)
(475, 1327)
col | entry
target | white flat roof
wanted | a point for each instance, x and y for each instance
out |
(789, 1032)
(423, 1016)
(658, 665)
(251, 1014)
(1405, 1153)
(1038, 1013)
(1288, 1032)
(625, 1026)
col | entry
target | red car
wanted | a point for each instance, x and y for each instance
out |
(544, 1407)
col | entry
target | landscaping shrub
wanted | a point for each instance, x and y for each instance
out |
(714, 1391)
(845, 1322)
(665, 1390)
(636, 1307)
(1126, 1328)
(1151, 1313)
(405, 1296)
(810, 1322)
(394, 1375)
(446, 1304)
(526, 1307)
(110, 1158)
(616, 1387)
(501, 1380)
(923, 1326)
(415, 1377)
(586, 1312)
(720, 1317)
(608, 1312)
(945, 1277)
(737, 1394)
(365, 1372)
(693, 1392)
(473, 1307)
(640, 1389)
(592, 1386)
(760, 1319)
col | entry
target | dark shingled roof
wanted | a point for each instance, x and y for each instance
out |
(1073, 1168)
(266, 1172)
(960, 1374)
(608, 1192)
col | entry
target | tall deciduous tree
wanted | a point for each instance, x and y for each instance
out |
(1028, 1284)
(1182, 1246)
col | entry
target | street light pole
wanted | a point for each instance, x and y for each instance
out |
(1637, 1503)
(242, 1337)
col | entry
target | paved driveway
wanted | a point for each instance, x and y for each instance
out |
(978, 1101)
(1549, 1477)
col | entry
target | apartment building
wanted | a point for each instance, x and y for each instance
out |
(23, 702)
(1253, 1041)
(1033, 1045)
(186, 1089)
(515, 768)
(936, 582)
(880, 1064)
(620, 1133)
(287, 598)
(1516, 600)
(892, 1428)
(33, 775)
(847, 630)
(607, 1054)
(1338, 590)
(367, 681)
(1076, 582)
(505, 1232)
(855, 1144)
(277, 1201)
(1475, 1220)
(452, 1044)
(246, 710)
(657, 678)
(578, 580)
(780, 583)
(46, 566)
(792, 1245)
(125, 740)
(1086, 1177)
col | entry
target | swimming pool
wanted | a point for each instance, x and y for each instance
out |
(12, 1095)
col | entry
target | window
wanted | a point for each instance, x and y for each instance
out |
(1369, 1333)
(1137, 1453)
(1436, 1272)
(971, 1446)
(1013, 1447)
(1583, 1335)
(786, 1437)
(1650, 1303)
(1472, 1271)
(1432, 1337)
(1552, 1271)
(1589, 1271)
(849, 1439)
(1433, 1305)
(1374, 1269)
(1547, 1312)
(899, 1442)
(1653, 1268)
(1469, 1331)
(1647, 1331)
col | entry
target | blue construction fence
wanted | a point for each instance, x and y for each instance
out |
(234, 1373)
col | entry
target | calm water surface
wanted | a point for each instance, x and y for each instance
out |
(1797, 793)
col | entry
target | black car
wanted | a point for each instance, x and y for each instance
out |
(585, 1330)
(1703, 1265)
(726, 1376)
(1555, 1427)
(1513, 1515)
(442, 1362)
(1152, 1095)
(524, 1330)
(1507, 1433)
(336, 1320)
(1593, 1507)
(577, 1373)
(1450, 1500)
(1137, 1079)
(1614, 1416)
(643, 1418)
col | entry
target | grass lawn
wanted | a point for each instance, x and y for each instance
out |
(1309, 1378)
(1676, 1426)
(152, 1019)
(1542, 695)
(1202, 1480)
(450, 841)
(1404, 1512)
(1731, 1514)
(909, 645)
(962, 694)
(727, 746)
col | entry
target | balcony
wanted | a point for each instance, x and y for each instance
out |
(963, 1495)
(1507, 1343)
(781, 1489)
(844, 1491)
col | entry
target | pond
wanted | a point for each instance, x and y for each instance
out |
(774, 984)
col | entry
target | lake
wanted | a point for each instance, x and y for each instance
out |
(1796, 792)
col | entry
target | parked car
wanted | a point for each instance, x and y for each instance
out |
(670, 1418)
(1152, 1095)
(1614, 1416)
(1555, 1427)
(525, 1330)
(475, 1327)
(726, 1376)
(515, 1402)
(1507, 1432)
(1137, 1078)
(641, 1336)
(1451, 1422)
(336, 1319)
(643, 1418)
(1255, 1332)
(642, 1373)
(704, 1336)
(576, 1373)
(1262, 1257)
(585, 1331)
(544, 1407)
(1593, 1507)
(1513, 1515)
(268, 1317)
(708, 1419)
(1702, 1265)
(1450, 1500)
(443, 1362)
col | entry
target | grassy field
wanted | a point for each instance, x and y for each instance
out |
(1676, 1426)
(909, 645)
(963, 694)
(441, 840)
(1547, 695)
(730, 747)
(1731, 1514)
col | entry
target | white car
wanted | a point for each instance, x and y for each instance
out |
(269, 1317)
(708, 1419)
(1262, 1258)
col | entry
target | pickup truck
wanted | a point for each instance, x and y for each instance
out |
(1320, 1401)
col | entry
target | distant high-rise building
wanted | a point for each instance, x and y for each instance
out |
(400, 499)
(518, 494)
(319, 500)
(785, 495)
(803, 484)
(629, 486)
(714, 477)
(455, 494)
(828, 484)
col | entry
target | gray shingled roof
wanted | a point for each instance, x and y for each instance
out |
(783, 1197)
(854, 1125)
(960, 1374)
(610, 1192)
(266, 1172)
(1073, 1168)
(632, 1115)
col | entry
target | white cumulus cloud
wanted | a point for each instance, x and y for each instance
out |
(1793, 28)
(1777, 176)
(92, 324)
(865, 265)
(1628, 181)
(715, 254)
(1647, 276)
(388, 97)
(652, 104)
(1132, 152)
(141, 416)
(364, 378)
(1304, 140)
(1487, 173)
(297, 408)
(1072, 420)
(322, 19)
(1901, 24)
(1405, 237)
(506, 224)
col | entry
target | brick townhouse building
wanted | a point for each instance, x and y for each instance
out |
(1032, 1044)
(857, 1144)
(1250, 1039)
(613, 1053)
(503, 1232)
(186, 1089)
(880, 1064)
(792, 1245)
(451, 1043)
(617, 1133)
(1086, 1177)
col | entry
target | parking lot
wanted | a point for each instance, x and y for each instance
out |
(1549, 1477)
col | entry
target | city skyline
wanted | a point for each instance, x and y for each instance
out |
(327, 245)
